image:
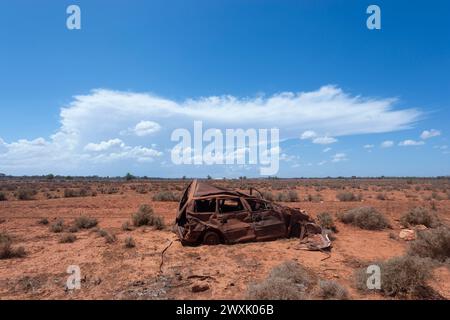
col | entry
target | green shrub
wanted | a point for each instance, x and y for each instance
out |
(417, 216)
(365, 218)
(3, 197)
(432, 243)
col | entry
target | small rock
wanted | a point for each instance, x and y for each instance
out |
(420, 227)
(407, 234)
(200, 287)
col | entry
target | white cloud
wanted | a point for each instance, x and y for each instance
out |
(321, 163)
(104, 145)
(100, 115)
(338, 157)
(326, 149)
(143, 128)
(368, 146)
(410, 143)
(308, 135)
(429, 134)
(387, 144)
(324, 140)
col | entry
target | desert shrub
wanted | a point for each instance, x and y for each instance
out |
(288, 281)
(109, 237)
(417, 216)
(73, 228)
(73, 193)
(432, 243)
(68, 238)
(7, 251)
(282, 197)
(158, 222)
(348, 196)
(365, 218)
(146, 217)
(267, 195)
(165, 196)
(436, 196)
(381, 196)
(331, 290)
(293, 196)
(275, 289)
(143, 216)
(43, 221)
(26, 194)
(126, 226)
(326, 221)
(314, 198)
(400, 276)
(84, 222)
(129, 242)
(3, 197)
(57, 226)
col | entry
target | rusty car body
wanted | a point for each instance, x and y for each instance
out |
(212, 215)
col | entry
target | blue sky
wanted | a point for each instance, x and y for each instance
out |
(134, 57)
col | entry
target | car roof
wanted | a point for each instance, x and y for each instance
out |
(202, 189)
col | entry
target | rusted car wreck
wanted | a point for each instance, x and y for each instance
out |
(212, 215)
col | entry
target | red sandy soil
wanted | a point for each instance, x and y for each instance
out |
(112, 271)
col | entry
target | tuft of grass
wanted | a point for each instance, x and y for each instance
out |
(68, 238)
(417, 216)
(73, 229)
(267, 195)
(158, 223)
(26, 194)
(84, 222)
(7, 251)
(43, 221)
(288, 281)
(432, 243)
(326, 221)
(143, 216)
(146, 217)
(57, 226)
(348, 196)
(365, 218)
(404, 276)
(166, 196)
(126, 226)
(331, 290)
(129, 242)
(109, 237)
(3, 197)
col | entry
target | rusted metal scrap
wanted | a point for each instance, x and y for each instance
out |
(212, 215)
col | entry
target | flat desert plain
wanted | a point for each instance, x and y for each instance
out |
(120, 261)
